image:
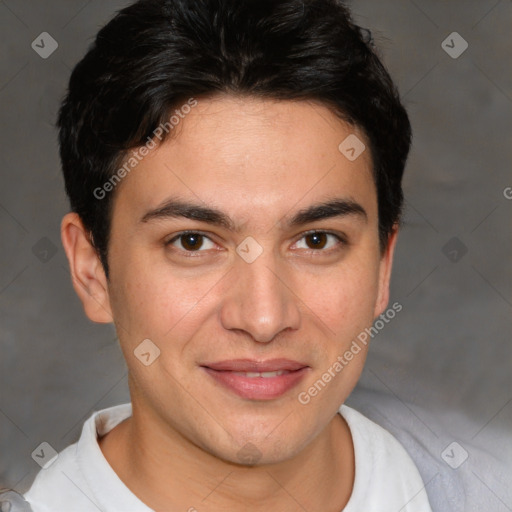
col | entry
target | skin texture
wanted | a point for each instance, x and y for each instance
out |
(260, 162)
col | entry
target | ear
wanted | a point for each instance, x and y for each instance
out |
(385, 265)
(89, 280)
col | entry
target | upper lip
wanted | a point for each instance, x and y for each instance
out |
(251, 365)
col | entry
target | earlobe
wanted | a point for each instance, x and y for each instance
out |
(386, 264)
(88, 276)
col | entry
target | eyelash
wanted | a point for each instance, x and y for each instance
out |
(342, 241)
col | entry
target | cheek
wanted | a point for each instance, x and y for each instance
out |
(153, 301)
(343, 299)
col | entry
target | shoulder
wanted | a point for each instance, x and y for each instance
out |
(11, 501)
(386, 478)
(374, 441)
(80, 478)
(60, 484)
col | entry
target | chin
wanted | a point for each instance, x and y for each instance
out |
(269, 447)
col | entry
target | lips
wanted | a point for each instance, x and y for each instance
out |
(250, 365)
(265, 375)
(257, 380)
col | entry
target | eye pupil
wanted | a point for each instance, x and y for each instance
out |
(318, 240)
(192, 241)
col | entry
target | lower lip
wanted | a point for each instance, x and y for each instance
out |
(258, 388)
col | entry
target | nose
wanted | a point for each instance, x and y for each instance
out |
(260, 300)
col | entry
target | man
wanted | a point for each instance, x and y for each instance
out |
(234, 171)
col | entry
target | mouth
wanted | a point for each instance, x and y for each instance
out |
(257, 380)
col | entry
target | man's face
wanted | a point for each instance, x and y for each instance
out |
(262, 294)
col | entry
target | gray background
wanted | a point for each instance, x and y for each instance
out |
(440, 372)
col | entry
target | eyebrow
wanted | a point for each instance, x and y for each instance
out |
(175, 208)
(328, 210)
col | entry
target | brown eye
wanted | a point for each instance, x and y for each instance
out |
(191, 241)
(321, 241)
(316, 240)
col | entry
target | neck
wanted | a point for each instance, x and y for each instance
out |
(166, 471)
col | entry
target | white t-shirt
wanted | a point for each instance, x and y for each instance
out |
(81, 480)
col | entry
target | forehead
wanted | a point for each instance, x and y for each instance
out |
(254, 156)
